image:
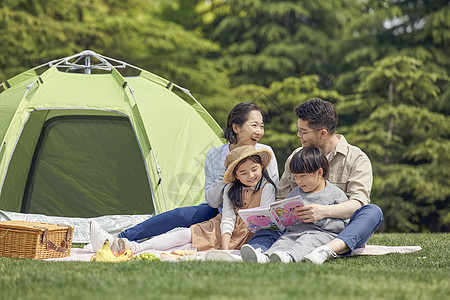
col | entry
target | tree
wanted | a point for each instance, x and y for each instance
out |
(36, 32)
(265, 41)
(183, 12)
(419, 29)
(407, 142)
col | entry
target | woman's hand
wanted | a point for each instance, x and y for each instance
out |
(312, 212)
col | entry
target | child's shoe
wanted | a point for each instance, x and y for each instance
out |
(248, 253)
(279, 256)
(98, 236)
(221, 255)
(319, 255)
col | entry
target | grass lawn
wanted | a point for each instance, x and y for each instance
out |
(420, 275)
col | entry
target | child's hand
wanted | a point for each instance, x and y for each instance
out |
(311, 213)
(225, 241)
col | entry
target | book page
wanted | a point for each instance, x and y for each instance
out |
(284, 210)
(258, 218)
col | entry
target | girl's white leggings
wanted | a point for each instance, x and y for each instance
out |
(165, 241)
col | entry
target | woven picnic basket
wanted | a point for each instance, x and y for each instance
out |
(35, 240)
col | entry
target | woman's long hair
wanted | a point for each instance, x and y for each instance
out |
(235, 191)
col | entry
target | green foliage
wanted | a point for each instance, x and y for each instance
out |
(418, 29)
(407, 142)
(183, 12)
(265, 41)
(397, 107)
(35, 32)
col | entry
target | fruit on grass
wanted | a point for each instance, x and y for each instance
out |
(146, 256)
(104, 254)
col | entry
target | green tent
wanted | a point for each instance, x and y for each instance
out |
(79, 139)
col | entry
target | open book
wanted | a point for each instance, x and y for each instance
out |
(277, 216)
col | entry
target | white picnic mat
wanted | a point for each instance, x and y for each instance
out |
(79, 254)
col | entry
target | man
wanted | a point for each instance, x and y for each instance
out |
(350, 170)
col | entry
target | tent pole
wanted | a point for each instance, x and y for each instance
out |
(87, 63)
(158, 170)
(186, 91)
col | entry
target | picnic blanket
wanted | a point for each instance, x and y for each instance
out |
(85, 254)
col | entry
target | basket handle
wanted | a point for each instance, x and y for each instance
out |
(51, 245)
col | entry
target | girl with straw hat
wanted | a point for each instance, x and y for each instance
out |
(248, 185)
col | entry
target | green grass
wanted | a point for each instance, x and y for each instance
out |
(420, 275)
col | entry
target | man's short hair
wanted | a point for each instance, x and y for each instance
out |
(319, 114)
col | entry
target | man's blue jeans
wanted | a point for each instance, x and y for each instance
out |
(363, 224)
(162, 223)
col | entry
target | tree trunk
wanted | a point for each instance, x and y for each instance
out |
(390, 123)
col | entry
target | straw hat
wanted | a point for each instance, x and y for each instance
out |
(238, 154)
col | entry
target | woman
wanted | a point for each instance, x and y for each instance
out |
(245, 126)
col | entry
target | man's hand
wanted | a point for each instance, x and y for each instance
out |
(312, 212)
(316, 212)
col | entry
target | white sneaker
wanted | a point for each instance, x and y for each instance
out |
(248, 253)
(98, 236)
(319, 255)
(124, 244)
(279, 256)
(221, 255)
